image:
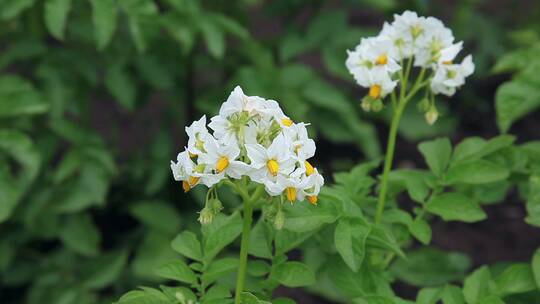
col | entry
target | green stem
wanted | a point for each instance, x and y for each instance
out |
(248, 218)
(390, 147)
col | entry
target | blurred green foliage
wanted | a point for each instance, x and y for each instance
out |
(94, 96)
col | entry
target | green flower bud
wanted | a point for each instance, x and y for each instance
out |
(279, 220)
(366, 103)
(206, 215)
(431, 115)
(423, 105)
(215, 205)
(377, 105)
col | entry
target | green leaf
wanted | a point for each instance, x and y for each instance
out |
(177, 270)
(428, 296)
(491, 299)
(21, 148)
(476, 172)
(304, 217)
(219, 268)
(383, 238)
(474, 148)
(517, 278)
(452, 295)
(104, 15)
(81, 235)
(373, 299)
(12, 8)
(154, 251)
(56, 12)
(455, 206)
(19, 97)
(220, 233)
(260, 240)
(514, 100)
(293, 274)
(104, 270)
(121, 85)
(430, 267)
(477, 285)
(350, 239)
(230, 25)
(144, 296)
(536, 267)
(213, 37)
(187, 244)
(437, 154)
(157, 215)
(421, 230)
(9, 194)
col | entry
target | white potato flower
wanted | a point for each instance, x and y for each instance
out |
(378, 81)
(250, 137)
(448, 76)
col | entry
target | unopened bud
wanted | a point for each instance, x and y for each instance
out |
(215, 205)
(366, 103)
(377, 105)
(423, 105)
(432, 115)
(206, 216)
(279, 220)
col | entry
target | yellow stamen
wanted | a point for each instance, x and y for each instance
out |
(193, 180)
(186, 186)
(287, 122)
(192, 155)
(297, 148)
(375, 91)
(447, 62)
(273, 167)
(291, 194)
(312, 199)
(309, 168)
(381, 60)
(222, 164)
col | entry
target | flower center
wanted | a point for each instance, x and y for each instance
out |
(222, 164)
(447, 62)
(416, 30)
(381, 60)
(375, 91)
(193, 180)
(192, 155)
(312, 199)
(287, 122)
(309, 168)
(273, 167)
(291, 194)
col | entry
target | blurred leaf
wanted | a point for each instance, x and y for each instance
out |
(9, 194)
(56, 12)
(455, 206)
(11, 8)
(514, 100)
(517, 278)
(536, 267)
(104, 15)
(477, 285)
(421, 230)
(219, 268)
(293, 274)
(431, 267)
(102, 271)
(121, 86)
(153, 252)
(157, 215)
(213, 37)
(21, 148)
(18, 97)
(81, 235)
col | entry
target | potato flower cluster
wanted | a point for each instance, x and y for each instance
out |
(251, 136)
(378, 62)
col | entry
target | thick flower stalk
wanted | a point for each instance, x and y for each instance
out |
(384, 63)
(253, 147)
